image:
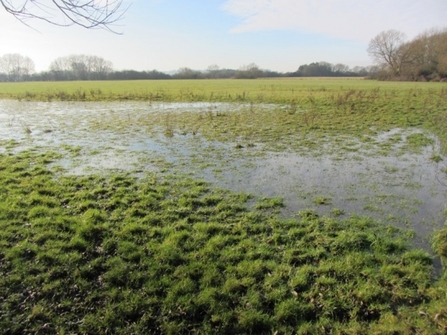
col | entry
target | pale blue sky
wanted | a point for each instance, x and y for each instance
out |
(275, 34)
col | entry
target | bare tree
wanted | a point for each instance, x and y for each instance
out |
(80, 67)
(84, 13)
(99, 67)
(187, 73)
(16, 66)
(340, 68)
(389, 49)
(429, 53)
(213, 71)
(250, 71)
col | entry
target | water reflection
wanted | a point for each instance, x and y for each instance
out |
(402, 188)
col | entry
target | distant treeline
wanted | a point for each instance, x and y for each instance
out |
(15, 67)
(422, 59)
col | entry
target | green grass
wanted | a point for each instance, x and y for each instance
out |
(166, 254)
(171, 254)
(260, 90)
(311, 112)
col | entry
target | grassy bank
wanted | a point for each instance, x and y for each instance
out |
(172, 255)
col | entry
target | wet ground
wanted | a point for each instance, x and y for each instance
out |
(403, 187)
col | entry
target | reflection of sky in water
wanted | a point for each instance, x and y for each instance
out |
(397, 189)
(387, 184)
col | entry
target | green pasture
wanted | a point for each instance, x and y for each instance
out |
(319, 104)
(260, 90)
(171, 255)
(157, 252)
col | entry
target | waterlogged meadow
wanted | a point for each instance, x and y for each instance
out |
(223, 206)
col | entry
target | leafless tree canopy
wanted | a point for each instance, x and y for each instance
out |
(16, 66)
(84, 13)
(423, 58)
(81, 67)
(387, 48)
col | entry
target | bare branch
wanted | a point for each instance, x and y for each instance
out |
(85, 13)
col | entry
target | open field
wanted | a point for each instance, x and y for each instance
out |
(260, 90)
(307, 206)
(384, 104)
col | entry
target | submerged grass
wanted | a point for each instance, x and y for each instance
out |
(171, 254)
(166, 254)
(310, 113)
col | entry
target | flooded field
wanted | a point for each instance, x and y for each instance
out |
(233, 207)
(375, 173)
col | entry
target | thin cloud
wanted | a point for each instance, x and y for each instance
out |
(344, 19)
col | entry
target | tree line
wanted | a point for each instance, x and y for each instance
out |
(15, 67)
(423, 58)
